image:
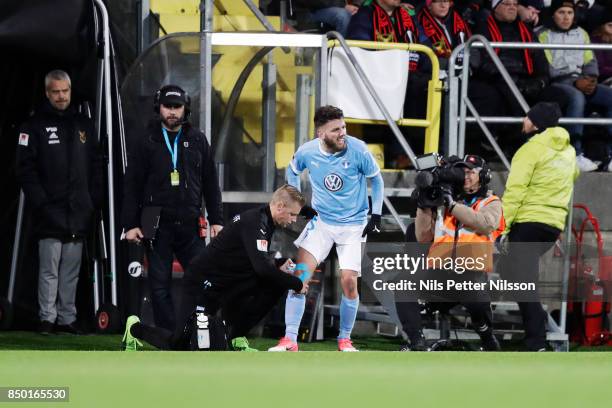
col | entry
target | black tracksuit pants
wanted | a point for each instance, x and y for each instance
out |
(173, 237)
(243, 303)
(526, 269)
(477, 304)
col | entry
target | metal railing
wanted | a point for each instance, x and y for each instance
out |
(431, 123)
(459, 102)
(282, 40)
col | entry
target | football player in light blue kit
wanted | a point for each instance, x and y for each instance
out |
(338, 167)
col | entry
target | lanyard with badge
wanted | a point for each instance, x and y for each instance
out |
(174, 175)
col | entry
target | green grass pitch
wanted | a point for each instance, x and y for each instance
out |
(306, 379)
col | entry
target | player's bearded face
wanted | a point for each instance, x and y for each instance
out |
(333, 135)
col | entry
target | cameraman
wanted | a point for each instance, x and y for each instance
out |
(472, 216)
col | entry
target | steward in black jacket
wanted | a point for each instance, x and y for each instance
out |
(57, 160)
(170, 168)
(148, 177)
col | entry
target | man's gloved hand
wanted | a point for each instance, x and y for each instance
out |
(373, 225)
(447, 195)
(503, 244)
(308, 212)
(448, 201)
(416, 193)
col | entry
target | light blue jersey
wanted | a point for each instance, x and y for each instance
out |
(339, 186)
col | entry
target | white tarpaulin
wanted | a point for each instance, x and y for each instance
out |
(387, 71)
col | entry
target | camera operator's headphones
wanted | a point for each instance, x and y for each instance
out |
(185, 98)
(485, 172)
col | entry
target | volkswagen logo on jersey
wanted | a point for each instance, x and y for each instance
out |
(333, 182)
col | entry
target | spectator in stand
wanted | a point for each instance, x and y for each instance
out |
(603, 35)
(441, 28)
(588, 13)
(528, 68)
(334, 13)
(383, 21)
(529, 11)
(470, 10)
(575, 73)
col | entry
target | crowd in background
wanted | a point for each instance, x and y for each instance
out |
(579, 80)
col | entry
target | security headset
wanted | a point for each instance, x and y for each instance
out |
(186, 99)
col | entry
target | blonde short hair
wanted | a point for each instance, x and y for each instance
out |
(288, 194)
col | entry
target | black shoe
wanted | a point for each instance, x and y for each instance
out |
(418, 344)
(68, 328)
(45, 328)
(490, 343)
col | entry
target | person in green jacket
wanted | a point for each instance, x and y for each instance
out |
(535, 202)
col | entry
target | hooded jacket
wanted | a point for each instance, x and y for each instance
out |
(541, 180)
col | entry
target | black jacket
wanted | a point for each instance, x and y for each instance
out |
(147, 179)
(433, 35)
(59, 170)
(240, 252)
(514, 60)
(362, 27)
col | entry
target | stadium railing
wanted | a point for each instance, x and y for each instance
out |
(459, 103)
(431, 123)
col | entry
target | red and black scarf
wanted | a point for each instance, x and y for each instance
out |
(435, 33)
(526, 37)
(386, 31)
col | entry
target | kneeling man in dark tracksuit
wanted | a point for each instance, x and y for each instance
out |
(234, 273)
